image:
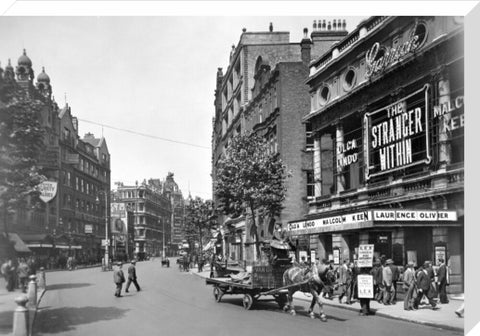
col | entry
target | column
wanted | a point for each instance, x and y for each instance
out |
(317, 166)
(339, 145)
(443, 138)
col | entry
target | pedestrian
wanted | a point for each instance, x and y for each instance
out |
(344, 280)
(376, 272)
(118, 279)
(22, 273)
(423, 285)
(8, 272)
(200, 263)
(132, 277)
(395, 278)
(409, 286)
(442, 281)
(387, 282)
(366, 295)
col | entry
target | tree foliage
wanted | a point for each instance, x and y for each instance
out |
(250, 177)
(21, 142)
(200, 219)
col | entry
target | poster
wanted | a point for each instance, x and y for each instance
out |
(365, 286)
(302, 254)
(440, 253)
(336, 257)
(312, 256)
(365, 255)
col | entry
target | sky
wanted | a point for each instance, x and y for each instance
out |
(151, 75)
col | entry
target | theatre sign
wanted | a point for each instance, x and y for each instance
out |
(398, 135)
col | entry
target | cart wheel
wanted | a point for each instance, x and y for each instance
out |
(248, 301)
(217, 293)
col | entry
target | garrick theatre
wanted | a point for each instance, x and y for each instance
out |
(387, 114)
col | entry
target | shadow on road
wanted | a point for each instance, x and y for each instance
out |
(52, 321)
(67, 286)
(6, 322)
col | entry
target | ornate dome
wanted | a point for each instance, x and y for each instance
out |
(43, 77)
(24, 59)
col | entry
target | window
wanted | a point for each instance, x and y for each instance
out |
(66, 134)
(349, 79)
(310, 185)
(324, 95)
(309, 137)
(76, 183)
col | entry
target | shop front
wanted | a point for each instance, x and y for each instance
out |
(402, 235)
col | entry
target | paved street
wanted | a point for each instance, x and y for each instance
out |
(172, 302)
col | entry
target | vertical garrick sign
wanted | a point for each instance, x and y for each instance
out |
(398, 135)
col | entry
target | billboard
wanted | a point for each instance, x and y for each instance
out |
(398, 135)
(118, 225)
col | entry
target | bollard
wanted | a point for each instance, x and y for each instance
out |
(20, 317)
(32, 292)
(42, 280)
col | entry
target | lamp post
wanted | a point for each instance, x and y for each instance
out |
(163, 238)
(107, 243)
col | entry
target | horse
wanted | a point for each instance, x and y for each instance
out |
(310, 280)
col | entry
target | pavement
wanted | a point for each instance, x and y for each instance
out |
(444, 317)
(8, 306)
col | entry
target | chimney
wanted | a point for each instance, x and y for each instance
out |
(270, 28)
(324, 37)
(306, 48)
(314, 25)
(89, 136)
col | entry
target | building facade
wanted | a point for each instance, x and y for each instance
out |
(387, 118)
(173, 192)
(263, 91)
(72, 223)
(152, 214)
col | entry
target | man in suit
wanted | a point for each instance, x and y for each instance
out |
(395, 277)
(118, 279)
(442, 281)
(344, 279)
(423, 284)
(132, 277)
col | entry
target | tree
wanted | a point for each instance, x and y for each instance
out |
(250, 177)
(200, 219)
(21, 142)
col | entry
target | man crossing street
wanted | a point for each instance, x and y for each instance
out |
(132, 277)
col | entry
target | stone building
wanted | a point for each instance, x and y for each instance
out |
(387, 117)
(73, 222)
(263, 91)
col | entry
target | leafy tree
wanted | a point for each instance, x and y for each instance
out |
(250, 177)
(200, 219)
(21, 142)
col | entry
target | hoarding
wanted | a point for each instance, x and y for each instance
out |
(398, 135)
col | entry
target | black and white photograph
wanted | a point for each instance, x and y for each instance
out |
(253, 168)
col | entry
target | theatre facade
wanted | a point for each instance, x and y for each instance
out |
(387, 118)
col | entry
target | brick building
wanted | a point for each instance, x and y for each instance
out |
(263, 91)
(387, 118)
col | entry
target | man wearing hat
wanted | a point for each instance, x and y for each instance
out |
(118, 279)
(442, 281)
(423, 284)
(132, 277)
(387, 276)
(408, 286)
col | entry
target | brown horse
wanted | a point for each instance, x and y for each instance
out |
(309, 281)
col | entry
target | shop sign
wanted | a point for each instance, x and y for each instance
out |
(48, 190)
(398, 135)
(376, 64)
(357, 217)
(345, 156)
(453, 108)
(414, 215)
(88, 228)
(365, 255)
(365, 286)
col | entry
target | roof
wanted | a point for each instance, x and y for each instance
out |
(93, 141)
(18, 243)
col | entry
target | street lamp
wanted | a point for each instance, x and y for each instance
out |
(107, 243)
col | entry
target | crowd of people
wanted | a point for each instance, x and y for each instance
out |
(17, 271)
(421, 286)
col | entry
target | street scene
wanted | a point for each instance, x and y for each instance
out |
(292, 175)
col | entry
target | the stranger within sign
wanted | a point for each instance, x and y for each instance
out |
(48, 190)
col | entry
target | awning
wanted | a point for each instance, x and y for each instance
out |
(18, 243)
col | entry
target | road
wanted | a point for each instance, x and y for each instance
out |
(81, 302)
